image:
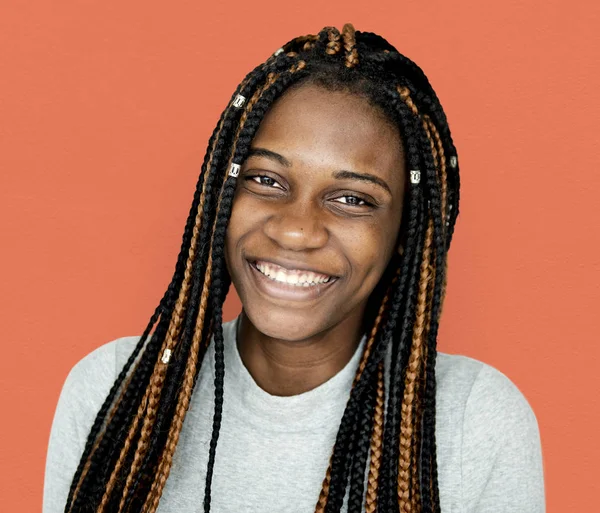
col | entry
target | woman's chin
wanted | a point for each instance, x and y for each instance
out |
(289, 324)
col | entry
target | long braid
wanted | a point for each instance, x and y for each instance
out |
(429, 458)
(189, 226)
(418, 405)
(391, 448)
(376, 445)
(175, 329)
(411, 420)
(191, 367)
(160, 367)
(95, 437)
(370, 430)
(137, 376)
(360, 452)
(190, 373)
(406, 302)
(195, 313)
(431, 397)
(412, 373)
(323, 497)
(429, 464)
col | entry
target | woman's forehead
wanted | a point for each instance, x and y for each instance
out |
(316, 126)
(322, 107)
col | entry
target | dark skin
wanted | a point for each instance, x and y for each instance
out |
(294, 207)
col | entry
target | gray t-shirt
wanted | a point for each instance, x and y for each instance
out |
(273, 451)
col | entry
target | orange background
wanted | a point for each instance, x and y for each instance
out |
(105, 113)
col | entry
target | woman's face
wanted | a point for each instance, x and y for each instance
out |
(316, 214)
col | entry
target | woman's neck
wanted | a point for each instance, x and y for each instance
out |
(286, 368)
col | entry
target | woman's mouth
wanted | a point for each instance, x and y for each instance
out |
(298, 277)
(294, 284)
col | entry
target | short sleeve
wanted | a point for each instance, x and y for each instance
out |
(81, 397)
(502, 466)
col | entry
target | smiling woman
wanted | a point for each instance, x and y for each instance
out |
(328, 197)
(321, 190)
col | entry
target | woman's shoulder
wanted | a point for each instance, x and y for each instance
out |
(83, 393)
(87, 385)
(488, 429)
(488, 397)
(90, 379)
(104, 360)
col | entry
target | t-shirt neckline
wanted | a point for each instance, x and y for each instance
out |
(308, 410)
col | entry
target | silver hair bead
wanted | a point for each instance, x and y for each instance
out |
(166, 356)
(238, 101)
(453, 162)
(278, 51)
(234, 170)
(415, 176)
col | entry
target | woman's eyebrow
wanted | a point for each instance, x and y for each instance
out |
(339, 175)
(262, 152)
(363, 177)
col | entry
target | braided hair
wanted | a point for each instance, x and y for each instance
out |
(386, 438)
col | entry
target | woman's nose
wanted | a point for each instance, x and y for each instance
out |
(296, 227)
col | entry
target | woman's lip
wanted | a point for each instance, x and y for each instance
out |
(290, 267)
(275, 289)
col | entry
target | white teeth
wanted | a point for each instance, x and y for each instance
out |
(298, 278)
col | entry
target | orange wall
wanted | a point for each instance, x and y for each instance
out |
(105, 113)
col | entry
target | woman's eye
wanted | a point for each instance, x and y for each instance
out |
(352, 200)
(265, 180)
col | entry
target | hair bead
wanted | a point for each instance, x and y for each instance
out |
(234, 170)
(415, 176)
(166, 356)
(453, 162)
(239, 101)
(278, 52)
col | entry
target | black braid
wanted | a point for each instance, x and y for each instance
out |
(95, 479)
(428, 460)
(360, 455)
(401, 340)
(399, 334)
(166, 303)
(176, 370)
(404, 300)
(101, 416)
(166, 306)
(166, 407)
